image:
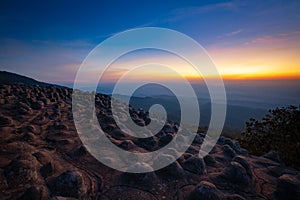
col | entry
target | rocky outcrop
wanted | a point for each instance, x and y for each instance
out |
(42, 157)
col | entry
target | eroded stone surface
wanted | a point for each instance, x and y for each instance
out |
(42, 157)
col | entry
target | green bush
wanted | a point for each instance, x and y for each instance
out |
(279, 131)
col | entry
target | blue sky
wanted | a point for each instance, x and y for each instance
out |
(48, 40)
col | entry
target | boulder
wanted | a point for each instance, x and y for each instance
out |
(35, 193)
(127, 145)
(194, 165)
(228, 151)
(272, 155)
(236, 174)
(288, 187)
(5, 121)
(205, 190)
(37, 105)
(68, 184)
(209, 160)
(241, 160)
(21, 170)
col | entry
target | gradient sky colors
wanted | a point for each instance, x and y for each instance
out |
(48, 40)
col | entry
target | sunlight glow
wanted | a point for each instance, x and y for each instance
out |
(249, 62)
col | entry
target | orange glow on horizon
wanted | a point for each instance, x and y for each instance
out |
(254, 76)
(255, 61)
(250, 77)
(239, 73)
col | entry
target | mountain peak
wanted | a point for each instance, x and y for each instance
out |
(9, 78)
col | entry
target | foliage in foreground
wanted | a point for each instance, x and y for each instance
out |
(279, 131)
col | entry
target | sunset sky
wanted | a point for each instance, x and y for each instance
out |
(48, 40)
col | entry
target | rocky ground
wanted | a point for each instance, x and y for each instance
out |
(42, 157)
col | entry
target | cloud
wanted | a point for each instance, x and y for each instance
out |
(228, 35)
(234, 32)
(49, 61)
(290, 36)
(203, 9)
(186, 12)
(268, 39)
(64, 43)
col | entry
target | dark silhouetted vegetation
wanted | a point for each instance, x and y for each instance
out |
(279, 131)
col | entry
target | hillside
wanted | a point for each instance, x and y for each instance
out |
(42, 157)
(235, 118)
(8, 78)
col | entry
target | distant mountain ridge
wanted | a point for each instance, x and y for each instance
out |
(8, 78)
(235, 120)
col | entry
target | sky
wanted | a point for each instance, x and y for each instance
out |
(48, 40)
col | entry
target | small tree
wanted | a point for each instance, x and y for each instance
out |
(279, 131)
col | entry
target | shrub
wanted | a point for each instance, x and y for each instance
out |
(279, 131)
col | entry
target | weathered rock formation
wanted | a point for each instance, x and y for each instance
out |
(42, 157)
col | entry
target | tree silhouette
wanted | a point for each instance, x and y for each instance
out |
(279, 131)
